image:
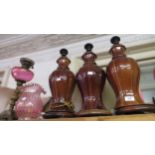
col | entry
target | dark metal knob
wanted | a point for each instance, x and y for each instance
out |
(89, 47)
(27, 63)
(63, 52)
(115, 40)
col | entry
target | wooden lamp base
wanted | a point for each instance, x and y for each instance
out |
(136, 109)
(93, 112)
(58, 114)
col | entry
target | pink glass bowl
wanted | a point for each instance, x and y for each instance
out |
(22, 74)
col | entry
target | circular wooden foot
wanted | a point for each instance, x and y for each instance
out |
(93, 112)
(57, 114)
(136, 109)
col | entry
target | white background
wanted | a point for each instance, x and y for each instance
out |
(77, 16)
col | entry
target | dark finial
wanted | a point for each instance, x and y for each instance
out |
(27, 63)
(88, 47)
(115, 40)
(63, 52)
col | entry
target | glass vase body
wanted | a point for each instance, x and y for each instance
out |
(62, 84)
(91, 81)
(29, 105)
(124, 76)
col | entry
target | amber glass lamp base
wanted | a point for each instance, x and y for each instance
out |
(136, 109)
(93, 112)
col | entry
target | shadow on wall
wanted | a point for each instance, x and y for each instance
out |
(76, 99)
(5, 95)
(109, 98)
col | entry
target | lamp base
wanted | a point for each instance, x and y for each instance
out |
(93, 112)
(136, 109)
(57, 114)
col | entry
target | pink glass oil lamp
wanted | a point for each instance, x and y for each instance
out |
(21, 74)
